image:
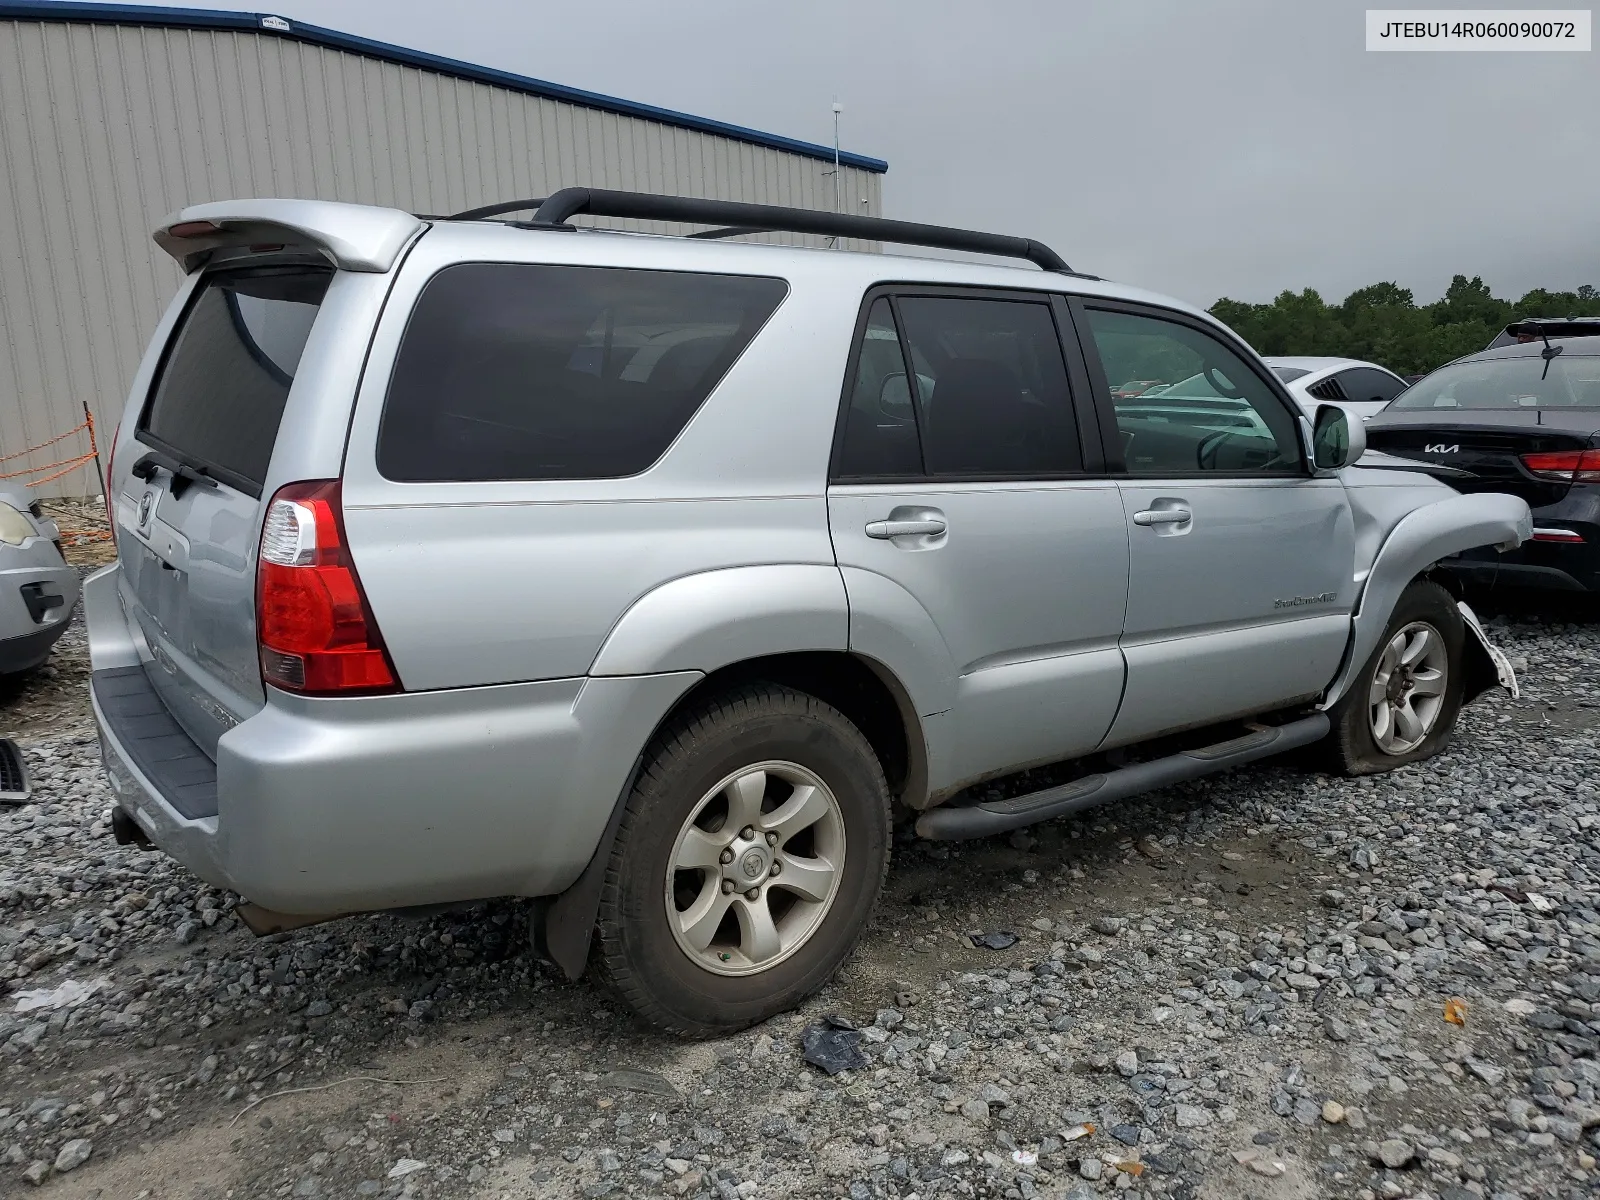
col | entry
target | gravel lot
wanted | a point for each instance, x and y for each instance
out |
(1242, 985)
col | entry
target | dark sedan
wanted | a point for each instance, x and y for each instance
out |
(1522, 418)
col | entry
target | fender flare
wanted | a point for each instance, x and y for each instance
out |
(889, 625)
(1417, 542)
(711, 619)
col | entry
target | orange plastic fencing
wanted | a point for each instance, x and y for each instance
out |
(66, 465)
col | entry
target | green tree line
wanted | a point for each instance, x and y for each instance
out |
(1384, 324)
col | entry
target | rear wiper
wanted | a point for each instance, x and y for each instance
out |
(182, 473)
(1548, 352)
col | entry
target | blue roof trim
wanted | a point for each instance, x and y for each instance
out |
(203, 18)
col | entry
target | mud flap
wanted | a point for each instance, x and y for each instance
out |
(563, 926)
(1486, 665)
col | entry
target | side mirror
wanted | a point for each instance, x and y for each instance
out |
(1337, 438)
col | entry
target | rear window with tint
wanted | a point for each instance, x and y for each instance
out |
(220, 394)
(511, 371)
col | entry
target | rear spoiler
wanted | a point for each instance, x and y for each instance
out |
(354, 237)
(1540, 328)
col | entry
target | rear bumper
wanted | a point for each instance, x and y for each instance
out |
(350, 805)
(38, 592)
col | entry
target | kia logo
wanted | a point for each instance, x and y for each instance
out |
(1440, 448)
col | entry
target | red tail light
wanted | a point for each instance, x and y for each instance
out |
(1565, 466)
(189, 229)
(316, 632)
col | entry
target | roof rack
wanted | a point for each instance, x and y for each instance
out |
(553, 211)
(1530, 328)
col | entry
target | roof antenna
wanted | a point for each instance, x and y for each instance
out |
(838, 201)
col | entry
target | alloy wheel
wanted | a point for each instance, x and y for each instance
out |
(1408, 688)
(755, 868)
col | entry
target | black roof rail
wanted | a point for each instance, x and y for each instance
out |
(553, 211)
(728, 231)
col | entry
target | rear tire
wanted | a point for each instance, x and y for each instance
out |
(1402, 706)
(749, 858)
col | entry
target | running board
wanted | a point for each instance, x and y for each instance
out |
(1002, 816)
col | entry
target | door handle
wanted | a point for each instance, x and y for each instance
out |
(1163, 516)
(928, 527)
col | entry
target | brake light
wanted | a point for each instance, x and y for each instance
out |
(316, 632)
(1565, 466)
(190, 229)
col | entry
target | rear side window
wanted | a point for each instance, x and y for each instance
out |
(1369, 385)
(222, 387)
(511, 371)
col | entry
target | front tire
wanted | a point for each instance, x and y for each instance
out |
(749, 858)
(1403, 706)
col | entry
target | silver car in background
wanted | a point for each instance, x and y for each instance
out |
(649, 577)
(38, 590)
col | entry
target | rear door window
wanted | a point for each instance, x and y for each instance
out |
(991, 387)
(880, 431)
(220, 393)
(1368, 385)
(523, 372)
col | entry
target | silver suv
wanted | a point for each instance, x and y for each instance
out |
(650, 576)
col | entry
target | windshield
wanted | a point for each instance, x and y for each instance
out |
(1503, 383)
(1289, 374)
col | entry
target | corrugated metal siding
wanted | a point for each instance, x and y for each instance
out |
(106, 129)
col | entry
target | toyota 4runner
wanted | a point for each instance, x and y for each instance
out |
(648, 576)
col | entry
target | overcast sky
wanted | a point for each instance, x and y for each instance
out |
(1197, 147)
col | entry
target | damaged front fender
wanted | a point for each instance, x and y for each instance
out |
(1418, 541)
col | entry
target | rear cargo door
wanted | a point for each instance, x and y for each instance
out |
(189, 488)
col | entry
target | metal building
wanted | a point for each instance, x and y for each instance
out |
(112, 117)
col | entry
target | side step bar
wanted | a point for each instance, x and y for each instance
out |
(1002, 816)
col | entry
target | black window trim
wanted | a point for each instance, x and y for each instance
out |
(1077, 380)
(410, 316)
(1117, 466)
(141, 429)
